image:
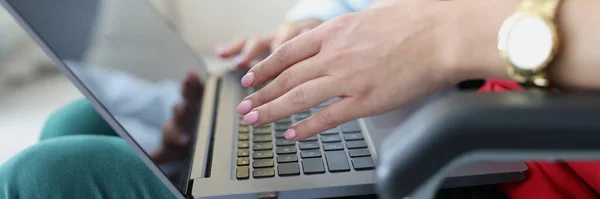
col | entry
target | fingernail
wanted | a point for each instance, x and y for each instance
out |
(251, 118)
(290, 134)
(240, 61)
(248, 79)
(220, 49)
(185, 139)
(244, 107)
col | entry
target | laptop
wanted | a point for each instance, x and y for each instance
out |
(125, 59)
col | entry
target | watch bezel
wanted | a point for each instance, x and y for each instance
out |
(503, 43)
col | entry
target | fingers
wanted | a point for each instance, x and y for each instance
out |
(231, 49)
(174, 133)
(160, 156)
(253, 49)
(192, 91)
(340, 112)
(299, 48)
(302, 97)
(186, 112)
(285, 34)
(174, 145)
(288, 79)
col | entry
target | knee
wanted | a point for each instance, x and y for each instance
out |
(78, 117)
(73, 167)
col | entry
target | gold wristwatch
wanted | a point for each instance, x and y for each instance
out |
(528, 41)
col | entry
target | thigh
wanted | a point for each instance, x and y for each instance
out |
(79, 166)
(76, 118)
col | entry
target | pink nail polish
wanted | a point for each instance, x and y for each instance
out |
(290, 134)
(240, 60)
(244, 107)
(220, 50)
(248, 79)
(251, 118)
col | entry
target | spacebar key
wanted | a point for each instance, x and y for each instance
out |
(337, 161)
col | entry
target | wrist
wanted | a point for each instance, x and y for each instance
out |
(473, 53)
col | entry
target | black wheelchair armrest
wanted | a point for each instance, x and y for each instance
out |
(468, 126)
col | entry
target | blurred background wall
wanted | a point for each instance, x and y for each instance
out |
(31, 88)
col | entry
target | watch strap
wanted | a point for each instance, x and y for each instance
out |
(547, 8)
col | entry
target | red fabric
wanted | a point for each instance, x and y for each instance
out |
(558, 180)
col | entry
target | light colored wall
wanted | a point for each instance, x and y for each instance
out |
(202, 23)
(205, 23)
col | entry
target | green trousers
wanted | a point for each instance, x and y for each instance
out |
(80, 156)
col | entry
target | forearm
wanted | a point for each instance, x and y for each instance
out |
(576, 66)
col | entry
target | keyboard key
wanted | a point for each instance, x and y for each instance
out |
(330, 138)
(280, 134)
(288, 169)
(242, 173)
(243, 152)
(310, 154)
(263, 173)
(262, 131)
(309, 145)
(364, 163)
(262, 138)
(243, 145)
(243, 137)
(313, 165)
(287, 158)
(330, 131)
(311, 138)
(331, 101)
(359, 153)
(333, 146)
(261, 163)
(284, 120)
(262, 146)
(262, 154)
(305, 112)
(286, 150)
(350, 127)
(244, 129)
(356, 144)
(282, 126)
(243, 161)
(301, 116)
(353, 136)
(337, 161)
(283, 142)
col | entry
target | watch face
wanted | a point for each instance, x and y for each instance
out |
(529, 42)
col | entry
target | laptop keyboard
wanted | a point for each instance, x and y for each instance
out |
(263, 152)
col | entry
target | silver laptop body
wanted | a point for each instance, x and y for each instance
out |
(120, 54)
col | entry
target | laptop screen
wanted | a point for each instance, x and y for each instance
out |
(126, 56)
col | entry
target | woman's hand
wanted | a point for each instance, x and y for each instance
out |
(176, 133)
(252, 48)
(374, 60)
